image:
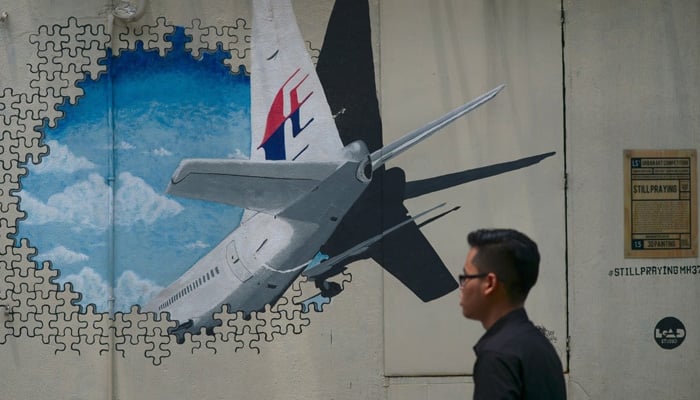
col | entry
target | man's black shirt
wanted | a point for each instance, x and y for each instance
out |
(514, 360)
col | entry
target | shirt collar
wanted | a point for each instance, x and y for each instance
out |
(518, 314)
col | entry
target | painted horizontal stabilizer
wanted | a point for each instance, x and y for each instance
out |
(386, 153)
(264, 186)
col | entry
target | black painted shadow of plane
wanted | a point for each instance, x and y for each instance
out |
(346, 70)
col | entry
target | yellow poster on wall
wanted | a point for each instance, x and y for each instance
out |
(661, 204)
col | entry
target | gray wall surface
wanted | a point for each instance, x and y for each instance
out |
(631, 83)
(586, 84)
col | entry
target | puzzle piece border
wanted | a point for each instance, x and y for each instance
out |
(61, 66)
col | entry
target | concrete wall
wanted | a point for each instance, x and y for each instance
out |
(628, 81)
(631, 70)
(434, 55)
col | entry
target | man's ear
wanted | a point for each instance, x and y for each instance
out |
(490, 283)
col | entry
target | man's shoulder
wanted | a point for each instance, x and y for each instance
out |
(515, 336)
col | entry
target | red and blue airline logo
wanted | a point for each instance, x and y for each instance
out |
(273, 141)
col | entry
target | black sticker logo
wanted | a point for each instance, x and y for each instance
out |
(669, 333)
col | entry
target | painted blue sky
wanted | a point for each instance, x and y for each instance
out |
(164, 109)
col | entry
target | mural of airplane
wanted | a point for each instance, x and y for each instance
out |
(309, 188)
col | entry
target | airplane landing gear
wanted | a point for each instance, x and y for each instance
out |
(328, 289)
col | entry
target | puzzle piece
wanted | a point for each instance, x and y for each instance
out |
(65, 55)
(48, 275)
(49, 81)
(48, 36)
(5, 325)
(52, 113)
(200, 341)
(69, 329)
(11, 213)
(195, 33)
(29, 109)
(153, 37)
(306, 294)
(97, 54)
(21, 258)
(28, 327)
(7, 233)
(291, 319)
(159, 341)
(61, 300)
(130, 38)
(314, 53)
(158, 36)
(269, 329)
(7, 98)
(76, 37)
(122, 331)
(250, 329)
(9, 207)
(23, 300)
(119, 342)
(152, 321)
(10, 182)
(134, 330)
(235, 39)
(74, 74)
(246, 330)
(96, 331)
(6, 272)
(48, 330)
(13, 126)
(227, 330)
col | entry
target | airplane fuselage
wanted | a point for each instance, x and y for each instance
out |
(258, 261)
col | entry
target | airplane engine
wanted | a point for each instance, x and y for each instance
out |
(357, 151)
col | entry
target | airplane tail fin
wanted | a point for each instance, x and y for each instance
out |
(290, 116)
(386, 153)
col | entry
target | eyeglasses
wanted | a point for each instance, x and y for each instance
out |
(464, 277)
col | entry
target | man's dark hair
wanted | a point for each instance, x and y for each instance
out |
(509, 254)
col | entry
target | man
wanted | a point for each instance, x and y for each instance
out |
(514, 360)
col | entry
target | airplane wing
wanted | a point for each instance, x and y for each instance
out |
(416, 265)
(326, 266)
(290, 116)
(264, 186)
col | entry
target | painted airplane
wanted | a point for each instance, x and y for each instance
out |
(299, 187)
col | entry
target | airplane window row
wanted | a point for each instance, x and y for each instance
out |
(190, 288)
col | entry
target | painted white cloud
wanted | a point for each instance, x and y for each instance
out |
(237, 155)
(39, 213)
(161, 152)
(62, 256)
(196, 245)
(61, 161)
(85, 205)
(138, 202)
(131, 289)
(125, 146)
(91, 285)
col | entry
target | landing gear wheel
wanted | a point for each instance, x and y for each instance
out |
(329, 289)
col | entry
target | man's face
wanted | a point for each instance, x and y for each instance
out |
(470, 294)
